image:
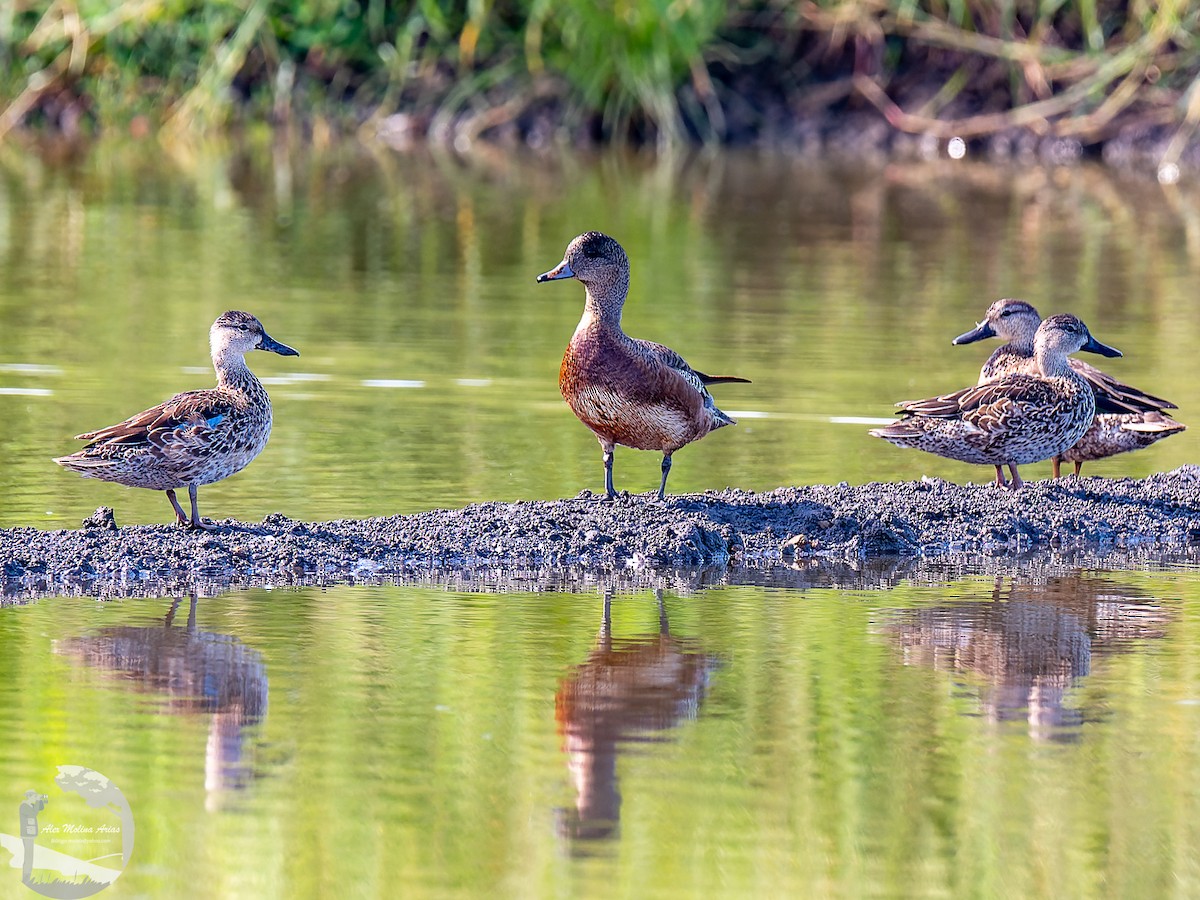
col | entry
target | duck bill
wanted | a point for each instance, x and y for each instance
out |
(562, 270)
(1094, 346)
(983, 330)
(269, 343)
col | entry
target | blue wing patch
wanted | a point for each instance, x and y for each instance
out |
(209, 423)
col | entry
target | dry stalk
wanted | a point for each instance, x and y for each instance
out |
(62, 21)
(203, 102)
(37, 85)
(1187, 128)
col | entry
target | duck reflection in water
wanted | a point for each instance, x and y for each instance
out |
(199, 672)
(626, 692)
(1029, 644)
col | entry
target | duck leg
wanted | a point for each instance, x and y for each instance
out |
(1078, 467)
(609, 493)
(666, 470)
(179, 513)
(1055, 465)
(1016, 479)
(193, 491)
(1000, 482)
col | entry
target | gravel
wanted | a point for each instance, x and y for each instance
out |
(863, 535)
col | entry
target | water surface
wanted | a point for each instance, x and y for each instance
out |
(996, 736)
(1030, 734)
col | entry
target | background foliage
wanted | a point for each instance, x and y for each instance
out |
(651, 70)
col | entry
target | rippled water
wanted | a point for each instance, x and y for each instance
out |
(996, 736)
(1029, 734)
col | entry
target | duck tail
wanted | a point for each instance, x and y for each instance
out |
(1155, 424)
(84, 465)
(722, 379)
(905, 429)
(721, 419)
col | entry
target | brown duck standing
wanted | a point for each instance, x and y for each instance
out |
(627, 391)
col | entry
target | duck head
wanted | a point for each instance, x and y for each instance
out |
(1060, 336)
(239, 332)
(592, 258)
(1013, 321)
(601, 264)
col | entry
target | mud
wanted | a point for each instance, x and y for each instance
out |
(872, 534)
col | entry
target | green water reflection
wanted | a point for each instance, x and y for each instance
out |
(1011, 736)
(430, 358)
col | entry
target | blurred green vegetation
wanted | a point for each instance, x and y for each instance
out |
(660, 71)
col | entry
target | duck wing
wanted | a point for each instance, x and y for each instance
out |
(987, 405)
(670, 358)
(943, 406)
(1113, 396)
(182, 419)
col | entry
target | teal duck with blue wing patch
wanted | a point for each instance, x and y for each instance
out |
(1012, 420)
(627, 391)
(1126, 418)
(197, 437)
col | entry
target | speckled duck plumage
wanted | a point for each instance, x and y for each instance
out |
(1113, 433)
(197, 437)
(1126, 418)
(627, 391)
(1014, 419)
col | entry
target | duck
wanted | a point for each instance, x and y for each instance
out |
(628, 391)
(1113, 433)
(1126, 418)
(1014, 419)
(197, 437)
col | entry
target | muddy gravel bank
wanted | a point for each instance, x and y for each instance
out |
(875, 529)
